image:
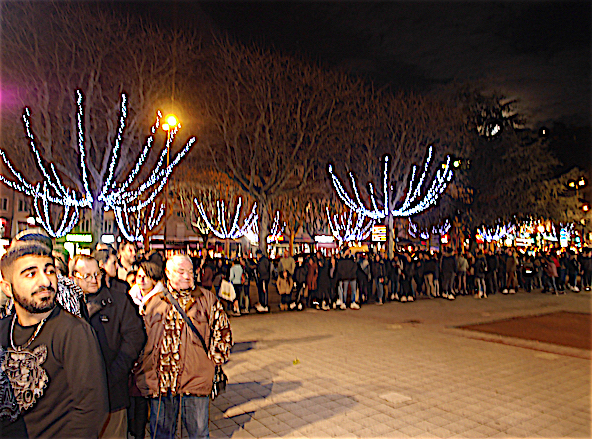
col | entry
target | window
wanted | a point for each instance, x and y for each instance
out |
(23, 206)
(3, 203)
(85, 226)
(108, 226)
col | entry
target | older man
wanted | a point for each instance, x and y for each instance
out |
(120, 333)
(53, 360)
(175, 371)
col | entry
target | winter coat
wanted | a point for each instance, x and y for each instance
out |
(264, 268)
(207, 276)
(300, 273)
(197, 367)
(312, 274)
(324, 280)
(121, 338)
(448, 265)
(480, 267)
(430, 266)
(284, 286)
(378, 270)
(346, 269)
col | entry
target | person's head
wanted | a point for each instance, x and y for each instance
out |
(149, 274)
(179, 272)
(259, 254)
(285, 274)
(29, 277)
(85, 271)
(130, 278)
(286, 254)
(107, 259)
(127, 253)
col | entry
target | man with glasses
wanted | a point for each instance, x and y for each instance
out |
(120, 333)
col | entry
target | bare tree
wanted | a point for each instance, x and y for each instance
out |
(49, 50)
(271, 120)
(393, 133)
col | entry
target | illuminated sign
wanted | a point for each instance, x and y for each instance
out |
(79, 237)
(444, 239)
(108, 239)
(324, 239)
(379, 233)
(275, 238)
(524, 242)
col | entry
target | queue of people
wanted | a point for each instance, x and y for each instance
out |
(350, 281)
(106, 344)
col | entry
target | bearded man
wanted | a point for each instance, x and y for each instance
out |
(52, 359)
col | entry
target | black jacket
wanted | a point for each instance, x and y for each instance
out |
(347, 269)
(263, 268)
(121, 336)
(448, 265)
(323, 280)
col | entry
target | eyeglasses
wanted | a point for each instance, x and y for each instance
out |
(88, 277)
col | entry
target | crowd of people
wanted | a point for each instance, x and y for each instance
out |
(101, 345)
(352, 280)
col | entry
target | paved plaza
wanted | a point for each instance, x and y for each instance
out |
(404, 370)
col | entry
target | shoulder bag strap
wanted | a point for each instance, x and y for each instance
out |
(186, 318)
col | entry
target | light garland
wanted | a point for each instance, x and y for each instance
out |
(346, 229)
(118, 198)
(442, 229)
(414, 202)
(235, 231)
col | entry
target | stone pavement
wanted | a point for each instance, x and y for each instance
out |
(403, 370)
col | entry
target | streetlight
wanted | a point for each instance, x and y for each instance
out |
(170, 124)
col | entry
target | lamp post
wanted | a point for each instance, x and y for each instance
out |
(168, 126)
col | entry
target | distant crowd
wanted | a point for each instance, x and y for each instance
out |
(348, 280)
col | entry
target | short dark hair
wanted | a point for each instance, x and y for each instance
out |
(34, 235)
(152, 269)
(19, 249)
(122, 245)
(104, 254)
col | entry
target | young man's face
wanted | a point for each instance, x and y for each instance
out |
(34, 284)
(110, 266)
(181, 275)
(128, 254)
(87, 275)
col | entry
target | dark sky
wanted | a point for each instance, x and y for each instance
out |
(538, 52)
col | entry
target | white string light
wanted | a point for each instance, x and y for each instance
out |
(414, 202)
(118, 198)
(222, 230)
(346, 228)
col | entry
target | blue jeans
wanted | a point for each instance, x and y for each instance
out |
(379, 289)
(164, 413)
(343, 285)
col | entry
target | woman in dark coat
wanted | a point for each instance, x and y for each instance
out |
(311, 279)
(324, 284)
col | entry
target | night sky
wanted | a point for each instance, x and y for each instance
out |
(536, 52)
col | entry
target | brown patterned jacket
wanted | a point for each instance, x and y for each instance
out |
(196, 367)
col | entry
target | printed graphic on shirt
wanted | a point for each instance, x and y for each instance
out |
(9, 408)
(27, 377)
